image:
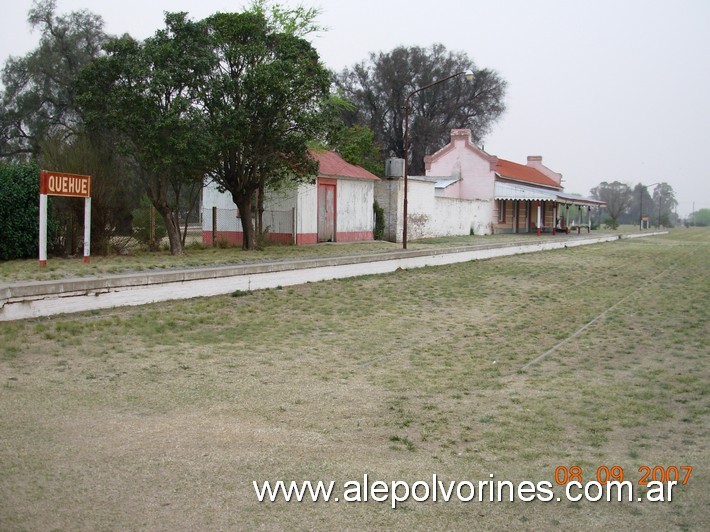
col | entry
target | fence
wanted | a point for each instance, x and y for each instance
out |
(225, 225)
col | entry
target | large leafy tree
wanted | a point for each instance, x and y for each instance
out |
(264, 101)
(114, 190)
(641, 200)
(617, 195)
(147, 93)
(664, 198)
(356, 144)
(379, 86)
(39, 98)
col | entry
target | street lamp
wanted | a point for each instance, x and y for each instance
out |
(641, 203)
(469, 77)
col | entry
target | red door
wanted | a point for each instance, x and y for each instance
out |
(326, 213)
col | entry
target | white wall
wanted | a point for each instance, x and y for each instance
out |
(421, 208)
(227, 219)
(459, 217)
(307, 209)
(355, 198)
(278, 213)
(389, 193)
(430, 215)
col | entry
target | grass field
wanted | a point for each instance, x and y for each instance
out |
(160, 417)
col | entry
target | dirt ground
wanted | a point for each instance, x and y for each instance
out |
(161, 417)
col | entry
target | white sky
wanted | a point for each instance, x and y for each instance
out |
(604, 90)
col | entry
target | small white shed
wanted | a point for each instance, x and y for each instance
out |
(338, 207)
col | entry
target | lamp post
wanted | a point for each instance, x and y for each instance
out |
(641, 203)
(469, 77)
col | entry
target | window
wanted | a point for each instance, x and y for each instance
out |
(501, 211)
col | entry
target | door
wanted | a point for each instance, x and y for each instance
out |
(326, 213)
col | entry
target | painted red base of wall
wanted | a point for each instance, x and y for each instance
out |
(306, 238)
(355, 236)
(235, 238)
(230, 237)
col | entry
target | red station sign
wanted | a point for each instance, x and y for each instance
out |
(63, 184)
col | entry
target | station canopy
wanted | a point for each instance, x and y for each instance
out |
(515, 191)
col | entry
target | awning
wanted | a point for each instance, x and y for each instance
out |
(576, 199)
(512, 191)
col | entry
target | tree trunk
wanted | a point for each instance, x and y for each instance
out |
(260, 209)
(158, 197)
(173, 227)
(245, 214)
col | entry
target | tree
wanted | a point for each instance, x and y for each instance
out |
(378, 89)
(264, 100)
(664, 198)
(114, 189)
(147, 93)
(356, 144)
(39, 96)
(700, 218)
(641, 200)
(617, 197)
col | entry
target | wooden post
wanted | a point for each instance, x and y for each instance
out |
(214, 226)
(87, 229)
(539, 218)
(63, 184)
(294, 229)
(554, 219)
(43, 230)
(151, 228)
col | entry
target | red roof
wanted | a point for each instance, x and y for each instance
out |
(331, 164)
(521, 172)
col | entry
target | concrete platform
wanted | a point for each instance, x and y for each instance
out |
(46, 298)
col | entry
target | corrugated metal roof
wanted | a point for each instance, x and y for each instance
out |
(510, 191)
(576, 199)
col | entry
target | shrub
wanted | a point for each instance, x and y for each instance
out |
(223, 243)
(610, 223)
(379, 232)
(261, 240)
(19, 212)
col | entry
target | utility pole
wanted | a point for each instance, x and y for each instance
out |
(693, 214)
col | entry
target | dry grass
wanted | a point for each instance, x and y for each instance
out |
(162, 416)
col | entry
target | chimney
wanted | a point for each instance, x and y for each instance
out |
(535, 161)
(460, 134)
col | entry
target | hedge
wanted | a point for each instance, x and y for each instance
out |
(19, 211)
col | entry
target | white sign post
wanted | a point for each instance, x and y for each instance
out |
(63, 184)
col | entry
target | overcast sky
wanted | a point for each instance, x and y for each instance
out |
(604, 90)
